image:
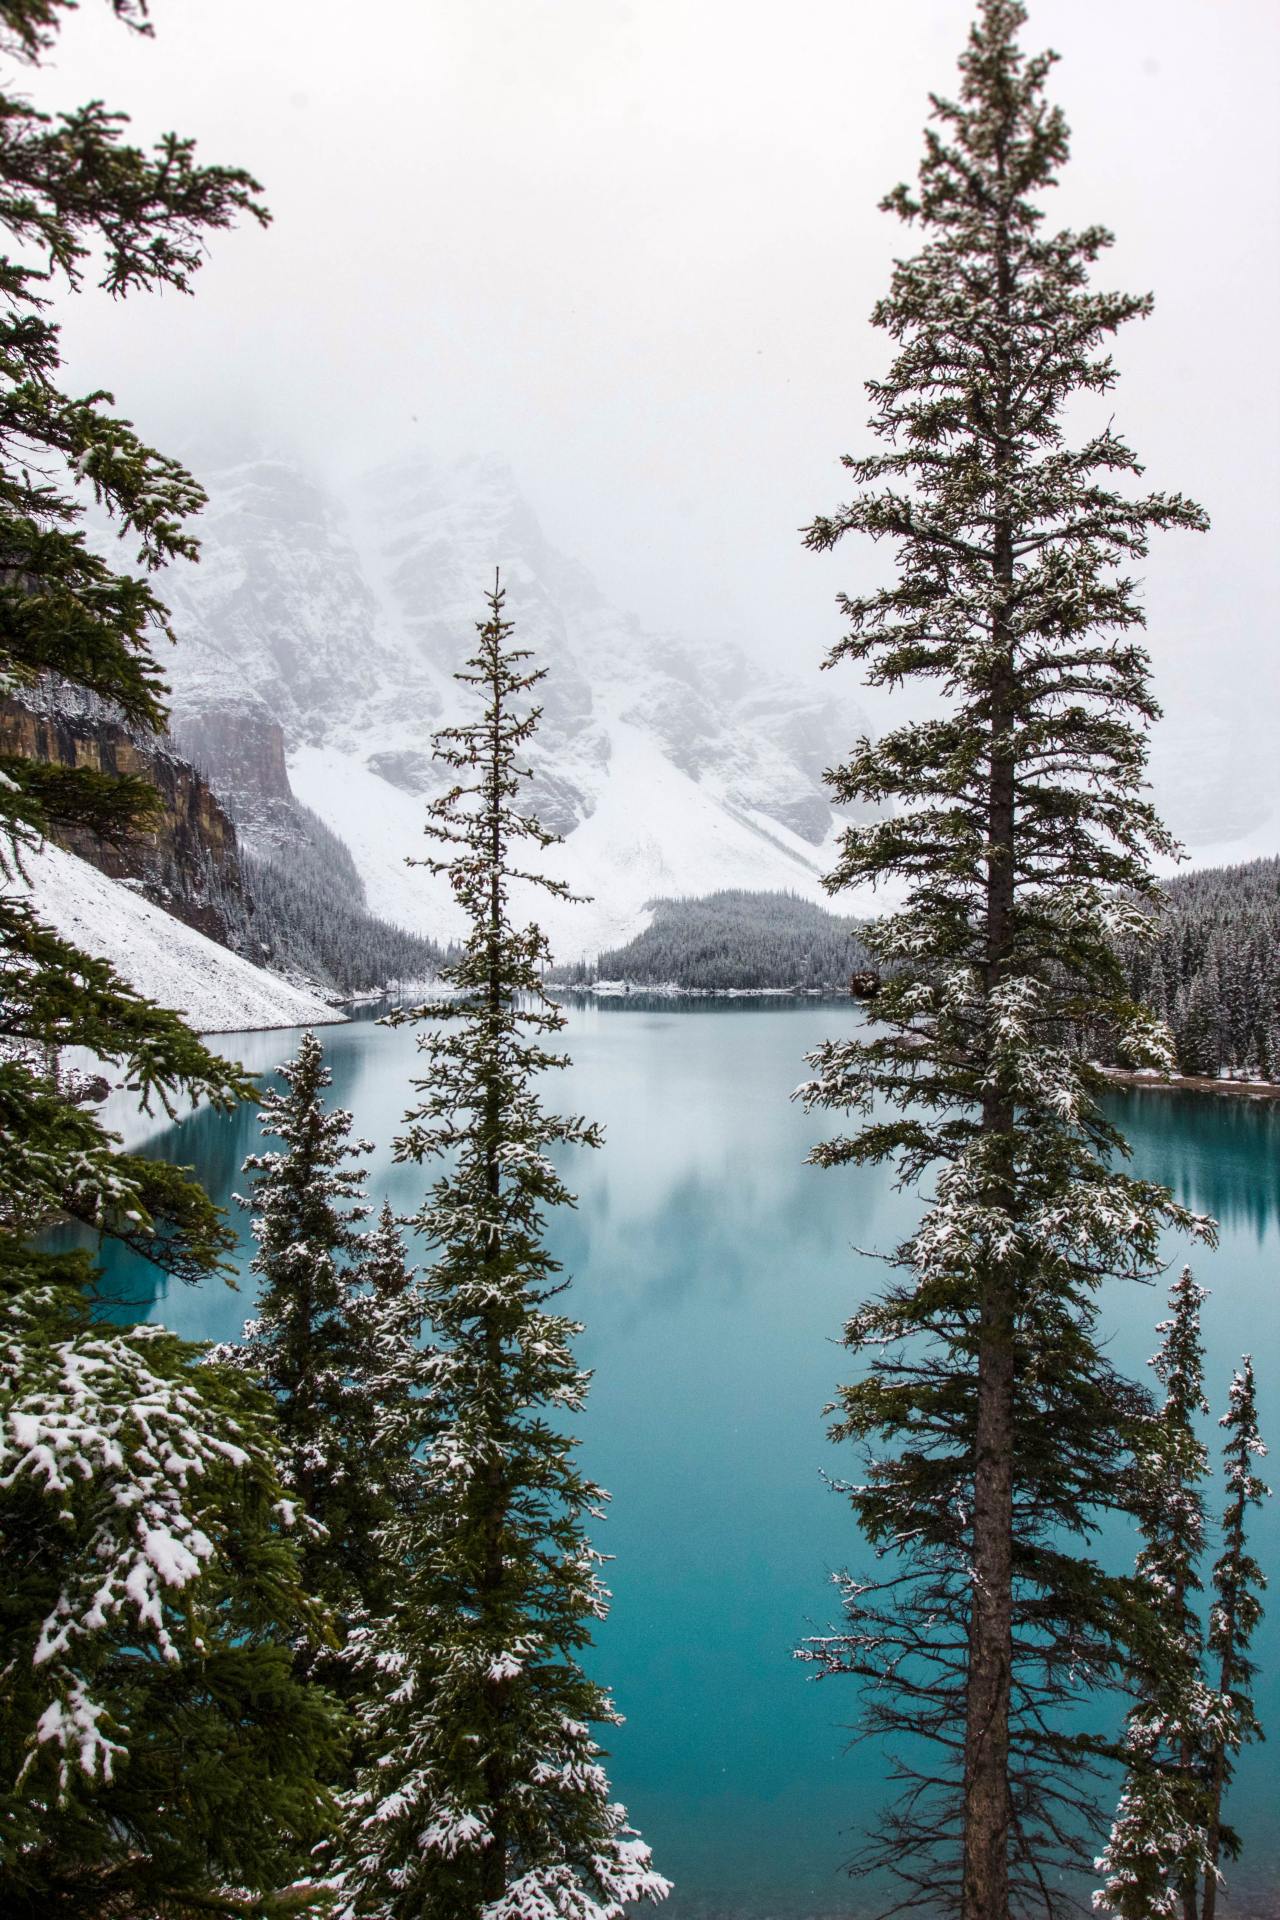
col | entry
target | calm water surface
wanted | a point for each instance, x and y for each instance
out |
(714, 1270)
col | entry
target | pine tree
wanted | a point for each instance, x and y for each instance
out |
(1199, 1033)
(1162, 1859)
(69, 188)
(1238, 1582)
(333, 1334)
(1016, 826)
(386, 1314)
(486, 1795)
(1158, 1848)
(151, 1600)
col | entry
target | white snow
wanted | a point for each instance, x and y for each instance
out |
(215, 991)
(655, 832)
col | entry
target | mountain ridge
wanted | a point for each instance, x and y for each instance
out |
(341, 615)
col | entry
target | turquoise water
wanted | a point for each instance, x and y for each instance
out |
(714, 1270)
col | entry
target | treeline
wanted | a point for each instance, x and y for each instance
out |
(299, 908)
(1213, 971)
(305, 914)
(737, 940)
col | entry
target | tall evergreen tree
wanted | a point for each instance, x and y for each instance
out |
(386, 1312)
(151, 1599)
(70, 189)
(486, 1796)
(1162, 1860)
(332, 1338)
(1158, 1848)
(1016, 827)
(1238, 1583)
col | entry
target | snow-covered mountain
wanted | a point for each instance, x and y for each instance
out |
(339, 617)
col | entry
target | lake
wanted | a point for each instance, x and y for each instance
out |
(714, 1270)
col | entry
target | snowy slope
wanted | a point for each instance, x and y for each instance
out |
(652, 832)
(215, 991)
(670, 768)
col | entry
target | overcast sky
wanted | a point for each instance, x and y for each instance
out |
(633, 247)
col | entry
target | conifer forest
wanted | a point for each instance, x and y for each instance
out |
(464, 1046)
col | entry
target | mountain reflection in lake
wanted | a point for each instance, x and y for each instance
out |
(714, 1270)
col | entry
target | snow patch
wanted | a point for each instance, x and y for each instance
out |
(654, 832)
(215, 990)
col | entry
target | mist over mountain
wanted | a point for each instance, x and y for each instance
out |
(318, 639)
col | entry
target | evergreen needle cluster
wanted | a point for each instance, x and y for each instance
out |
(1213, 972)
(332, 1338)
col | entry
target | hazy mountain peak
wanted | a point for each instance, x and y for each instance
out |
(671, 767)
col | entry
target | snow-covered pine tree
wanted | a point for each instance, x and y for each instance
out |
(333, 1335)
(1016, 827)
(1158, 1849)
(386, 1316)
(1199, 1030)
(1238, 1583)
(157, 1753)
(486, 1795)
(71, 188)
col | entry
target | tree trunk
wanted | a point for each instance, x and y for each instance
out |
(1187, 1754)
(990, 1666)
(494, 1868)
(986, 1746)
(1226, 1679)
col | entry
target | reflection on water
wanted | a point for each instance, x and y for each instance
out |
(714, 1270)
(1219, 1151)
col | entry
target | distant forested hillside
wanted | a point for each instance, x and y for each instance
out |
(307, 915)
(1214, 971)
(739, 940)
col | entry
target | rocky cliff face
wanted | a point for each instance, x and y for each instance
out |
(239, 748)
(190, 864)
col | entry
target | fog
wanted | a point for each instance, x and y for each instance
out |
(633, 248)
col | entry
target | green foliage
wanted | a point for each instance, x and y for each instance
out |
(1213, 971)
(1158, 1846)
(332, 1338)
(1016, 828)
(307, 912)
(1238, 1586)
(155, 1745)
(112, 806)
(485, 1792)
(71, 188)
(55, 1156)
(153, 1740)
(1193, 1710)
